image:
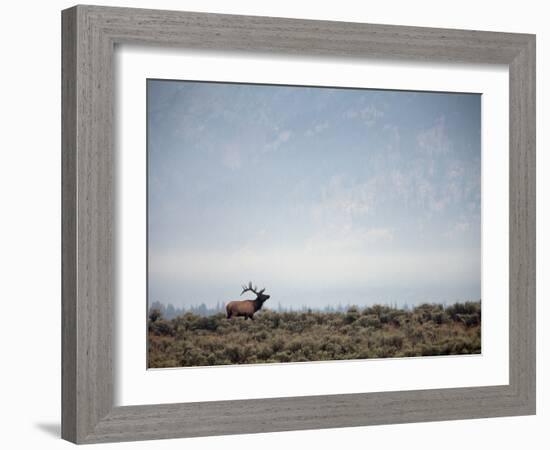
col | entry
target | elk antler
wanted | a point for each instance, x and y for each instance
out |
(249, 288)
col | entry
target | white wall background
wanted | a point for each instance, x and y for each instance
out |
(30, 231)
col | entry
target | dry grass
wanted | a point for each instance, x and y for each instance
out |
(374, 332)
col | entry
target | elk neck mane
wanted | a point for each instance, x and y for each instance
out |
(258, 304)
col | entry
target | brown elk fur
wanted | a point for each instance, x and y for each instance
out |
(246, 308)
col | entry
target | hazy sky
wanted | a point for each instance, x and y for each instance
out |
(323, 196)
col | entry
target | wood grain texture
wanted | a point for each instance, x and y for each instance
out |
(522, 282)
(68, 226)
(89, 36)
(87, 262)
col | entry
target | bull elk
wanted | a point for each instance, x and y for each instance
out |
(246, 308)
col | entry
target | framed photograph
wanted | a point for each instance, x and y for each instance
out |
(278, 224)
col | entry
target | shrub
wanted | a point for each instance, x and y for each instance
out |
(351, 316)
(155, 314)
(470, 320)
(162, 328)
(440, 317)
(374, 332)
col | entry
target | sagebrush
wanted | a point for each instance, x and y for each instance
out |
(277, 337)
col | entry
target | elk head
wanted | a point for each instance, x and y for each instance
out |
(260, 296)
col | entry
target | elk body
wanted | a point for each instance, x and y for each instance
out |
(246, 308)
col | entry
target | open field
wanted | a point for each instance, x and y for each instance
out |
(275, 337)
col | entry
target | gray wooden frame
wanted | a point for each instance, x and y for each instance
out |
(89, 36)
